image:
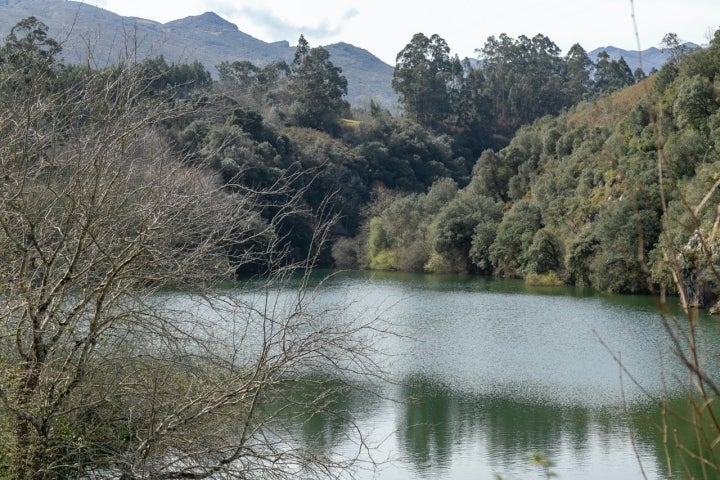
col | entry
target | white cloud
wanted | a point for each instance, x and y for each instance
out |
(384, 27)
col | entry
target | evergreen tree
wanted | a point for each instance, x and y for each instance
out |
(612, 75)
(525, 79)
(579, 70)
(423, 78)
(318, 87)
(29, 58)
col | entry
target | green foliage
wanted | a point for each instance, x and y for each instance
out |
(581, 253)
(585, 180)
(518, 81)
(525, 79)
(694, 210)
(261, 88)
(704, 62)
(246, 76)
(626, 234)
(30, 64)
(429, 156)
(318, 88)
(594, 186)
(378, 238)
(579, 65)
(466, 223)
(549, 279)
(29, 58)
(250, 122)
(666, 76)
(174, 80)
(402, 237)
(545, 254)
(515, 235)
(696, 101)
(684, 151)
(382, 257)
(423, 78)
(346, 253)
(440, 194)
(612, 75)
(384, 167)
(672, 43)
(492, 174)
(483, 237)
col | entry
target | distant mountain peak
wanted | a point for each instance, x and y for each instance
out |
(212, 17)
(651, 57)
(206, 21)
(207, 38)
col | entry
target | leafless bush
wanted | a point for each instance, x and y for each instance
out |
(120, 355)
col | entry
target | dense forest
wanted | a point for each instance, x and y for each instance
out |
(594, 193)
(527, 163)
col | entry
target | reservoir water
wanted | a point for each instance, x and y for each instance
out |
(485, 373)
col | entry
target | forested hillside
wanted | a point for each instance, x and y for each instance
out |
(529, 164)
(617, 192)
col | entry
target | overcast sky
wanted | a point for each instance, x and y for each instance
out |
(384, 27)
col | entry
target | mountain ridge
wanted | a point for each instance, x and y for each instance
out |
(652, 57)
(100, 37)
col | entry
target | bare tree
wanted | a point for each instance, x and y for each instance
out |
(689, 248)
(693, 266)
(120, 355)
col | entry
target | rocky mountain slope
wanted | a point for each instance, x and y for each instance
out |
(92, 34)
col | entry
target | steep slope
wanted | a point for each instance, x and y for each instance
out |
(368, 76)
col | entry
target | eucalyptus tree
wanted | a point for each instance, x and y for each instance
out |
(611, 74)
(579, 72)
(255, 86)
(525, 79)
(29, 58)
(671, 43)
(318, 87)
(423, 77)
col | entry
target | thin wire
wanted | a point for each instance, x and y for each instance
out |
(637, 35)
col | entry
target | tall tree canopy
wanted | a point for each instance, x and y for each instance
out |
(525, 79)
(318, 87)
(612, 75)
(423, 78)
(579, 70)
(29, 58)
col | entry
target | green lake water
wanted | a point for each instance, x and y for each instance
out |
(485, 371)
